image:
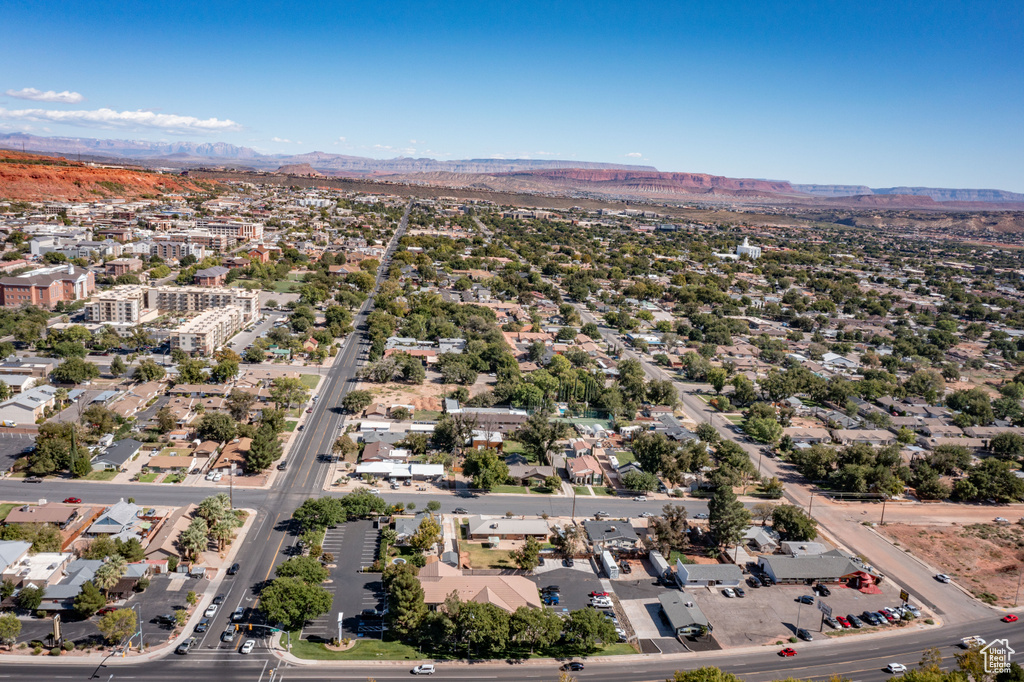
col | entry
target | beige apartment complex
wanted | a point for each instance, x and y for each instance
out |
(204, 333)
(123, 304)
(199, 299)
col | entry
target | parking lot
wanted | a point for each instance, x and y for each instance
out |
(574, 583)
(13, 446)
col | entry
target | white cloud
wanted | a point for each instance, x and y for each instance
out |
(285, 140)
(341, 139)
(111, 119)
(404, 151)
(634, 155)
(546, 153)
(65, 97)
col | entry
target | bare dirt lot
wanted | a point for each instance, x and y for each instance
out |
(982, 557)
(425, 396)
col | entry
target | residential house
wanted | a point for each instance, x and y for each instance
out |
(120, 520)
(876, 437)
(27, 407)
(53, 513)
(807, 435)
(234, 453)
(584, 470)
(171, 464)
(486, 440)
(481, 528)
(211, 277)
(507, 592)
(683, 615)
(523, 473)
(117, 455)
(612, 535)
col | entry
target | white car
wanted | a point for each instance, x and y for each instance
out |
(248, 646)
(374, 491)
(601, 603)
(896, 668)
(425, 669)
(728, 592)
(646, 515)
(210, 611)
(640, 498)
(943, 578)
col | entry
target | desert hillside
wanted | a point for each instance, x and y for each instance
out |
(29, 177)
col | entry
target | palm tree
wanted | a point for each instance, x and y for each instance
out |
(195, 538)
(61, 396)
(108, 575)
(223, 532)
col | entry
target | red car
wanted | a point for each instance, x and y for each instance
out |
(72, 500)
(598, 594)
(787, 652)
(844, 621)
(1010, 618)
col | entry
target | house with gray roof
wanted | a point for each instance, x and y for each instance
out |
(406, 526)
(116, 520)
(12, 551)
(117, 455)
(830, 567)
(611, 535)
(708, 575)
(507, 529)
(683, 615)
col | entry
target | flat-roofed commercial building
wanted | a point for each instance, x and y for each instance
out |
(123, 304)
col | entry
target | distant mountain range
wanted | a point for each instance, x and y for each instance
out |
(523, 175)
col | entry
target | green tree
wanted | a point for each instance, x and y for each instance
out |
(224, 371)
(192, 598)
(793, 524)
(716, 376)
(1007, 445)
(486, 469)
(148, 370)
(764, 430)
(10, 628)
(254, 355)
(356, 401)
(215, 508)
(165, 420)
(118, 625)
(264, 450)
(427, 535)
(585, 627)
(192, 371)
(320, 513)
(537, 628)
(117, 367)
(108, 574)
(406, 608)
(239, 403)
(29, 598)
(539, 434)
(216, 426)
(727, 518)
(528, 556)
(75, 371)
(195, 538)
(287, 391)
(640, 481)
(291, 602)
(304, 568)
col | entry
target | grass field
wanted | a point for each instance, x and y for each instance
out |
(482, 557)
(100, 476)
(601, 490)
(148, 478)
(624, 457)
(364, 650)
(290, 425)
(6, 508)
(283, 286)
(309, 380)
(581, 490)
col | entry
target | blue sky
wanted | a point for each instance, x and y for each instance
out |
(877, 93)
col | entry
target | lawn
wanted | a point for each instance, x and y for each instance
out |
(433, 415)
(100, 476)
(309, 380)
(601, 490)
(482, 557)
(514, 489)
(512, 446)
(624, 457)
(581, 490)
(735, 418)
(290, 425)
(283, 286)
(6, 508)
(148, 478)
(364, 650)
(175, 452)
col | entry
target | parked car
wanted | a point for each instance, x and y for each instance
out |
(728, 592)
(598, 594)
(166, 619)
(625, 567)
(568, 562)
(460, 510)
(895, 668)
(844, 621)
(914, 610)
(822, 590)
(425, 669)
(804, 635)
(805, 599)
(203, 625)
(787, 652)
(372, 613)
(766, 580)
(702, 515)
(248, 646)
(753, 581)
(219, 599)
(889, 618)
(551, 599)
(646, 515)
(573, 665)
(551, 588)
(740, 592)
(855, 621)
(832, 623)
(640, 498)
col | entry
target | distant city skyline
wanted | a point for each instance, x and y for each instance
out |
(875, 93)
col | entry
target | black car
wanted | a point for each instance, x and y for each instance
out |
(805, 599)
(219, 599)
(460, 510)
(822, 590)
(753, 581)
(766, 580)
(739, 592)
(282, 465)
(540, 561)
(855, 621)
(203, 625)
(166, 619)
(185, 646)
(551, 588)
(372, 613)
(575, 665)
(234, 569)
(625, 567)
(568, 562)
(804, 635)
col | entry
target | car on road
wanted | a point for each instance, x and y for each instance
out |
(805, 599)
(248, 646)
(573, 665)
(646, 515)
(210, 611)
(943, 578)
(1009, 618)
(728, 592)
(601, 514)
(32, 479)
(804, 635)
(237, 614)
(425, 669)
(374, 491)
(228, 635)
(787, 652)
(1001, 519)
(972, 641)
(234, 569)
(219, 599)
(640, 498)
(72, 500)
(895, 668)
(702, 515)
(185, 646)
(282, 465)
(203, 625)
(460, 510)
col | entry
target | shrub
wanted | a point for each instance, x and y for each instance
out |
(38, 650)
(792, 640)
(56, 651)
(69, 646)
(142, 585)
(40, 614)
(929, 621)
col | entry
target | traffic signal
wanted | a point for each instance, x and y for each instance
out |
(250, 627)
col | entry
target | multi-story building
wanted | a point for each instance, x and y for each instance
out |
(745, 249)
(206, 332)
(211, 277)
(242, 230)
(122, 305)
(177, 250)
(199, 299)
(47, 287)
(122, 266)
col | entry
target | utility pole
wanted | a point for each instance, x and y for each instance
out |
(885, 499)
(1017, 593)
(231, 485)
(810, 505)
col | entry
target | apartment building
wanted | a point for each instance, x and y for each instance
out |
(198, 299)
(122, 266)
(47, 287)
(242, 230)
(122, 305)
(176, 250)
(206, 332)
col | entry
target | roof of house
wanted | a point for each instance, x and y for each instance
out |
(11, 551)
(119, 515)
(507, 592)
(608, 531)
(51, 512)
(832, 564)
(702, 572)
(120, 452)
(579, 466)
(215, 271)
(681, 611)
(479, 525)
